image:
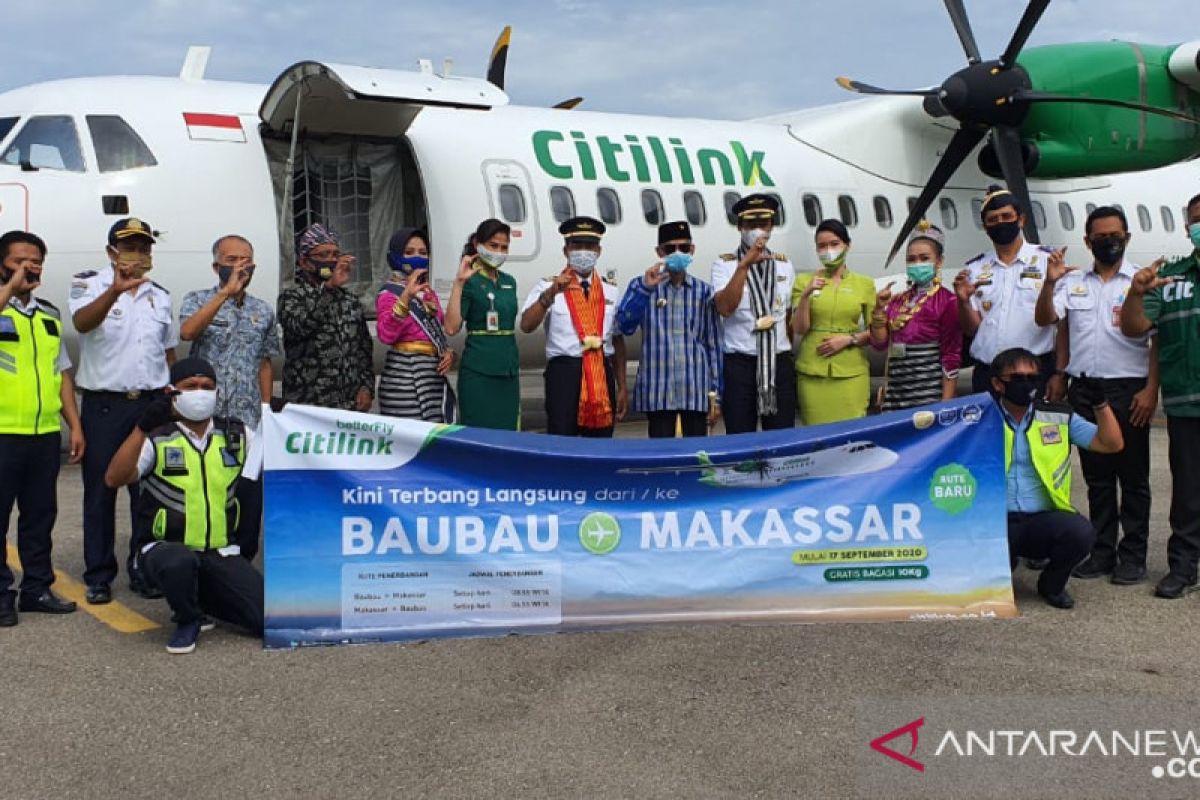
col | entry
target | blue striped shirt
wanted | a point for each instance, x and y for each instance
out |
(681, 343)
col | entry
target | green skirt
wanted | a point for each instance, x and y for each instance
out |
(825, 400)
(489, 401)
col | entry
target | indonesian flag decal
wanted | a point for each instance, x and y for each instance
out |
(214, 127)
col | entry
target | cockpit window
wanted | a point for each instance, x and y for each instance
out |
(6, 125)
(46, 143)
(118, 147)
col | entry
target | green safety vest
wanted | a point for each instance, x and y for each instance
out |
(29, 382)
(189, 495)
(1049, 436)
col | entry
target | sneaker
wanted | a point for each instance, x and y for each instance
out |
(1091, 568)
(1174, 586)
(1128, 574)
(184, 640)
(207, 623)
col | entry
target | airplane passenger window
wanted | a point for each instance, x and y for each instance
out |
(47, 143)
(731, 199)
(1144, 217)
(693, 206)
(652, 207)
(912, 203)
(562, 203)
(847, 210)
(610, 206)
(1119, 207)
(781, 214)
(1168, 219)
(512, 203)
(118, 147)
(1089, 208)
(977, 212)
(1039, 215)
(949, 213)
(6, 125)
(812, 210)
(1067, 216)
(883, 211)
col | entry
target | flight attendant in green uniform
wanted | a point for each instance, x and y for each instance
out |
(484, 299)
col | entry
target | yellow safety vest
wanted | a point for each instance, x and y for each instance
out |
(29, 383)
(189, 495)
(1049, 437)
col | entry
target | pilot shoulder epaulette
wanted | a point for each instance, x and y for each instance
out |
(160, 286)
(727, 257)
(779, 256)
(87, 273)
(973, 259)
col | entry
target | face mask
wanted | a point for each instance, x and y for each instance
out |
(1004, 232)
(409, 264)
(832, 258)
(225, 273)
(1020, 390)
(582, 261)
(323, 268)
(678, 262)
(921, 273)
(137, 263)
(1194, 234)
(493, 260)
(751, 236)
(196, 405)
(1108, 251)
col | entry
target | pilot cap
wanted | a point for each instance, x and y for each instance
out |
(128, 228)
(584, 229)
(756, 206)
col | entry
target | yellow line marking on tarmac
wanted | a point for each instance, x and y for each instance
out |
(119, 617)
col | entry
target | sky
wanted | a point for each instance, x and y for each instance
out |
(703, 59)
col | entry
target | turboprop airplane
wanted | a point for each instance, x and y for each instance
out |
(851, 458)
(366, 150)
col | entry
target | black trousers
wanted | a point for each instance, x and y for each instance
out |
(29, 477)
(107, 420)
(562, 380)
(1129, 470)
(205, 582)
(739, 403)
(250, 501)
(1064, 537)
(662, 423)
(1183, 548)
(981, 378)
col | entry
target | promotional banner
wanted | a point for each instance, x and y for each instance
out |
(384, 529)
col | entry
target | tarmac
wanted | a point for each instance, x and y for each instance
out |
(95, 708)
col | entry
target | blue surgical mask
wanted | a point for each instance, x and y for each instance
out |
(1194, 234)
(920, 273)
(678, 262)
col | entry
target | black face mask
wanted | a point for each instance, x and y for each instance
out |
(1003, 233)
(1020, 390)
(1109, 250)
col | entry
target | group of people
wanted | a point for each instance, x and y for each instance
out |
(1074, 356)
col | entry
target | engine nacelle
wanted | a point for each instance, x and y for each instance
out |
(1184, 65)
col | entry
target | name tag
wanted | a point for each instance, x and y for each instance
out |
(493, 320)
(1033, 274)
(1051, 436)
(174, 462)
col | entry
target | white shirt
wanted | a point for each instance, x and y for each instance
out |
(1006, 296)
(561, 338)
(739, 326)
(127, 351)
(62, 361)
(1092, 309)
(250, 469)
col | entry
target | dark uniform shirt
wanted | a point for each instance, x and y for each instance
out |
(490, 352)
(327, 348)
(1175, 309)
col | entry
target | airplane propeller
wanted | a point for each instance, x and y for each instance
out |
(989, 99)
(498, 63)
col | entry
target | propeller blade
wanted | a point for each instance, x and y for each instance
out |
(1028, 96)
(1006, 141)
(962, 26)
(567, 105)
(1029, 20)
(960, 147)
(866, 88)
(499, 59)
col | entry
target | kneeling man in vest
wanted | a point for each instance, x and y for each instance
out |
(189, 465)
(1042, 523)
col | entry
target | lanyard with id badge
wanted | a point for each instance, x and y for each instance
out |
(493, 316)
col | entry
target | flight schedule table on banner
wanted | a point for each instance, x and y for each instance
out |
(385, 529)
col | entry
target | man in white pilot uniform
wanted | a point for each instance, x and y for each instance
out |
(127, 339)
(997, 293)
(753, 295)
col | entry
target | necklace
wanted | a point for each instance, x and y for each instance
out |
(913, 304)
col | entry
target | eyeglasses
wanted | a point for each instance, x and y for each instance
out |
(682, 248)
(1001, 219)
(1109, 237)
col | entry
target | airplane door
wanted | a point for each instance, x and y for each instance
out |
(14, 207)
(511, 198)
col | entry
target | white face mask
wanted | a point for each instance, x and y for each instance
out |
(493, 260)
(832, 256)
(582, 261)
(196, 405)
(753, 235)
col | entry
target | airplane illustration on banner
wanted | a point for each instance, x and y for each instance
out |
(851, 458)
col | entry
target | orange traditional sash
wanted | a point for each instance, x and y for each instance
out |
(587, 315)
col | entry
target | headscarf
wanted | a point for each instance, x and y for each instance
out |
(313, 237)
(397, 243)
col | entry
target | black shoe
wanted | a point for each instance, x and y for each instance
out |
(8, 612)
(99, 595)
(143, 589)
(46, 603)
(1174, 586)
(1037, 564)
(1127, 574)
(1091, 568)
(1060, 600)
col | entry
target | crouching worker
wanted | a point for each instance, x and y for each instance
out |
(189, 465)
(1042, 523)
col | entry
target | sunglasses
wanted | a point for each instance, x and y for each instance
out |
(682, 248)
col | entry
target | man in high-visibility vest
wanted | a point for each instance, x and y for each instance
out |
(189, 465)
(1042, 523)
(35, 389)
